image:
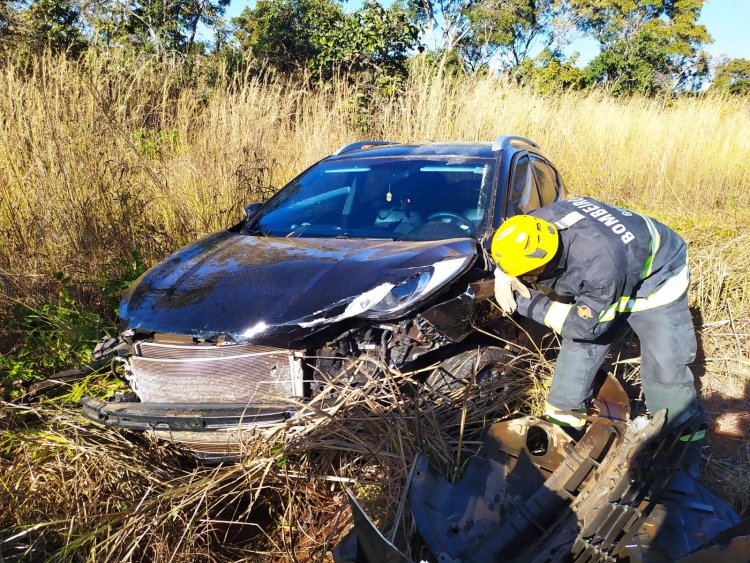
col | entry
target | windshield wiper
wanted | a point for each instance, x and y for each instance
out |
(298, 230)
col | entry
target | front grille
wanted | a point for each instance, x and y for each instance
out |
(239, 373)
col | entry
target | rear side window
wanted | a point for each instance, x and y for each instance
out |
(524, 194)
(546, 179)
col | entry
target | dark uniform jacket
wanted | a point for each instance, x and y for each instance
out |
(611, 261)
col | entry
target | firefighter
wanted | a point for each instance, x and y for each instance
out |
(593, 265)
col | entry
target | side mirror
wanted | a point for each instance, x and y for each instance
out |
(251, 208)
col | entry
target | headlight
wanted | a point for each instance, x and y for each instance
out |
(416, 287)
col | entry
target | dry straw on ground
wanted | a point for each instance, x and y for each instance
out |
(105, 495)
(104, 157)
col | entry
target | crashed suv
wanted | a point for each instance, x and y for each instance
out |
(378, 251)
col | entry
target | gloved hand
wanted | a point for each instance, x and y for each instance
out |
(504, 287)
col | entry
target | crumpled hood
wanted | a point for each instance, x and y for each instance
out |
(230, 283)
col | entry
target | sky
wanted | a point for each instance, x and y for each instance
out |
(728, 22)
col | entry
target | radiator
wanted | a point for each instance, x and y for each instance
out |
(193, 373)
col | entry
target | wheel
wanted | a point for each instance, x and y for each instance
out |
(482, 366)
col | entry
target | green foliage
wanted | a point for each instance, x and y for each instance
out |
(629, 67)
(548, 73)
(132, 268)
(648, 46)
(7, 22)
(61, 332)
(511, 28)
(286, 34)
(450, 63)
(733, 76)
(507, 33)
(56, 335)
(374, 41)
(155, 142)
(50, 24)
(291, 35)
(155, 26)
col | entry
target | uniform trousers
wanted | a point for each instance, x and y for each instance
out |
(668, 346)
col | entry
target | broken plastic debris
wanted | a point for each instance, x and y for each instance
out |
(531, 494)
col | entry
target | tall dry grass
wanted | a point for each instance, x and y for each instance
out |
(107, 156)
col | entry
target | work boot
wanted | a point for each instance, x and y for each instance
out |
(574, 426)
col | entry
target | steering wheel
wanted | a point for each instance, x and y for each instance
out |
(451, 216)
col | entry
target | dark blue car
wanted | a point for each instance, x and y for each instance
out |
(378, 253)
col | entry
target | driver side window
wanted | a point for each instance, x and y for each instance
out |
(546, 179)
(524, 194)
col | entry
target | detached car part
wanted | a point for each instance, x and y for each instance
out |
(532, 494)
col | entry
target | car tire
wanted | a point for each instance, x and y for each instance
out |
(483, 366)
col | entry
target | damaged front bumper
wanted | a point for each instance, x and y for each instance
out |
(188, 417)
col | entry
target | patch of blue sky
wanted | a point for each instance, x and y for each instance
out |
(728, 22)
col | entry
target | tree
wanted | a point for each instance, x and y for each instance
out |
(445, 22)
(319, 36)
(647, 46)
(508, 32)
(630, 67)
(512, 29)
(8, 15)
(50, 24)
(286, 33)
(732, 76)
(154, 25)
(549, 73)
(373, 40)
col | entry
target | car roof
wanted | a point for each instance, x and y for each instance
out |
(482, 150)
(369, 149)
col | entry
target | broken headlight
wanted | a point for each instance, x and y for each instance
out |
(417, 287)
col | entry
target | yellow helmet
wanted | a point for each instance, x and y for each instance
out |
(523, 243)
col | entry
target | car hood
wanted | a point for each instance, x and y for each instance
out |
(246, 286)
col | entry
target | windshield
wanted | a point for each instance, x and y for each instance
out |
(403, 198)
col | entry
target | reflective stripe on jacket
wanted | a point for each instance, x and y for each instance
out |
(611, 261)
